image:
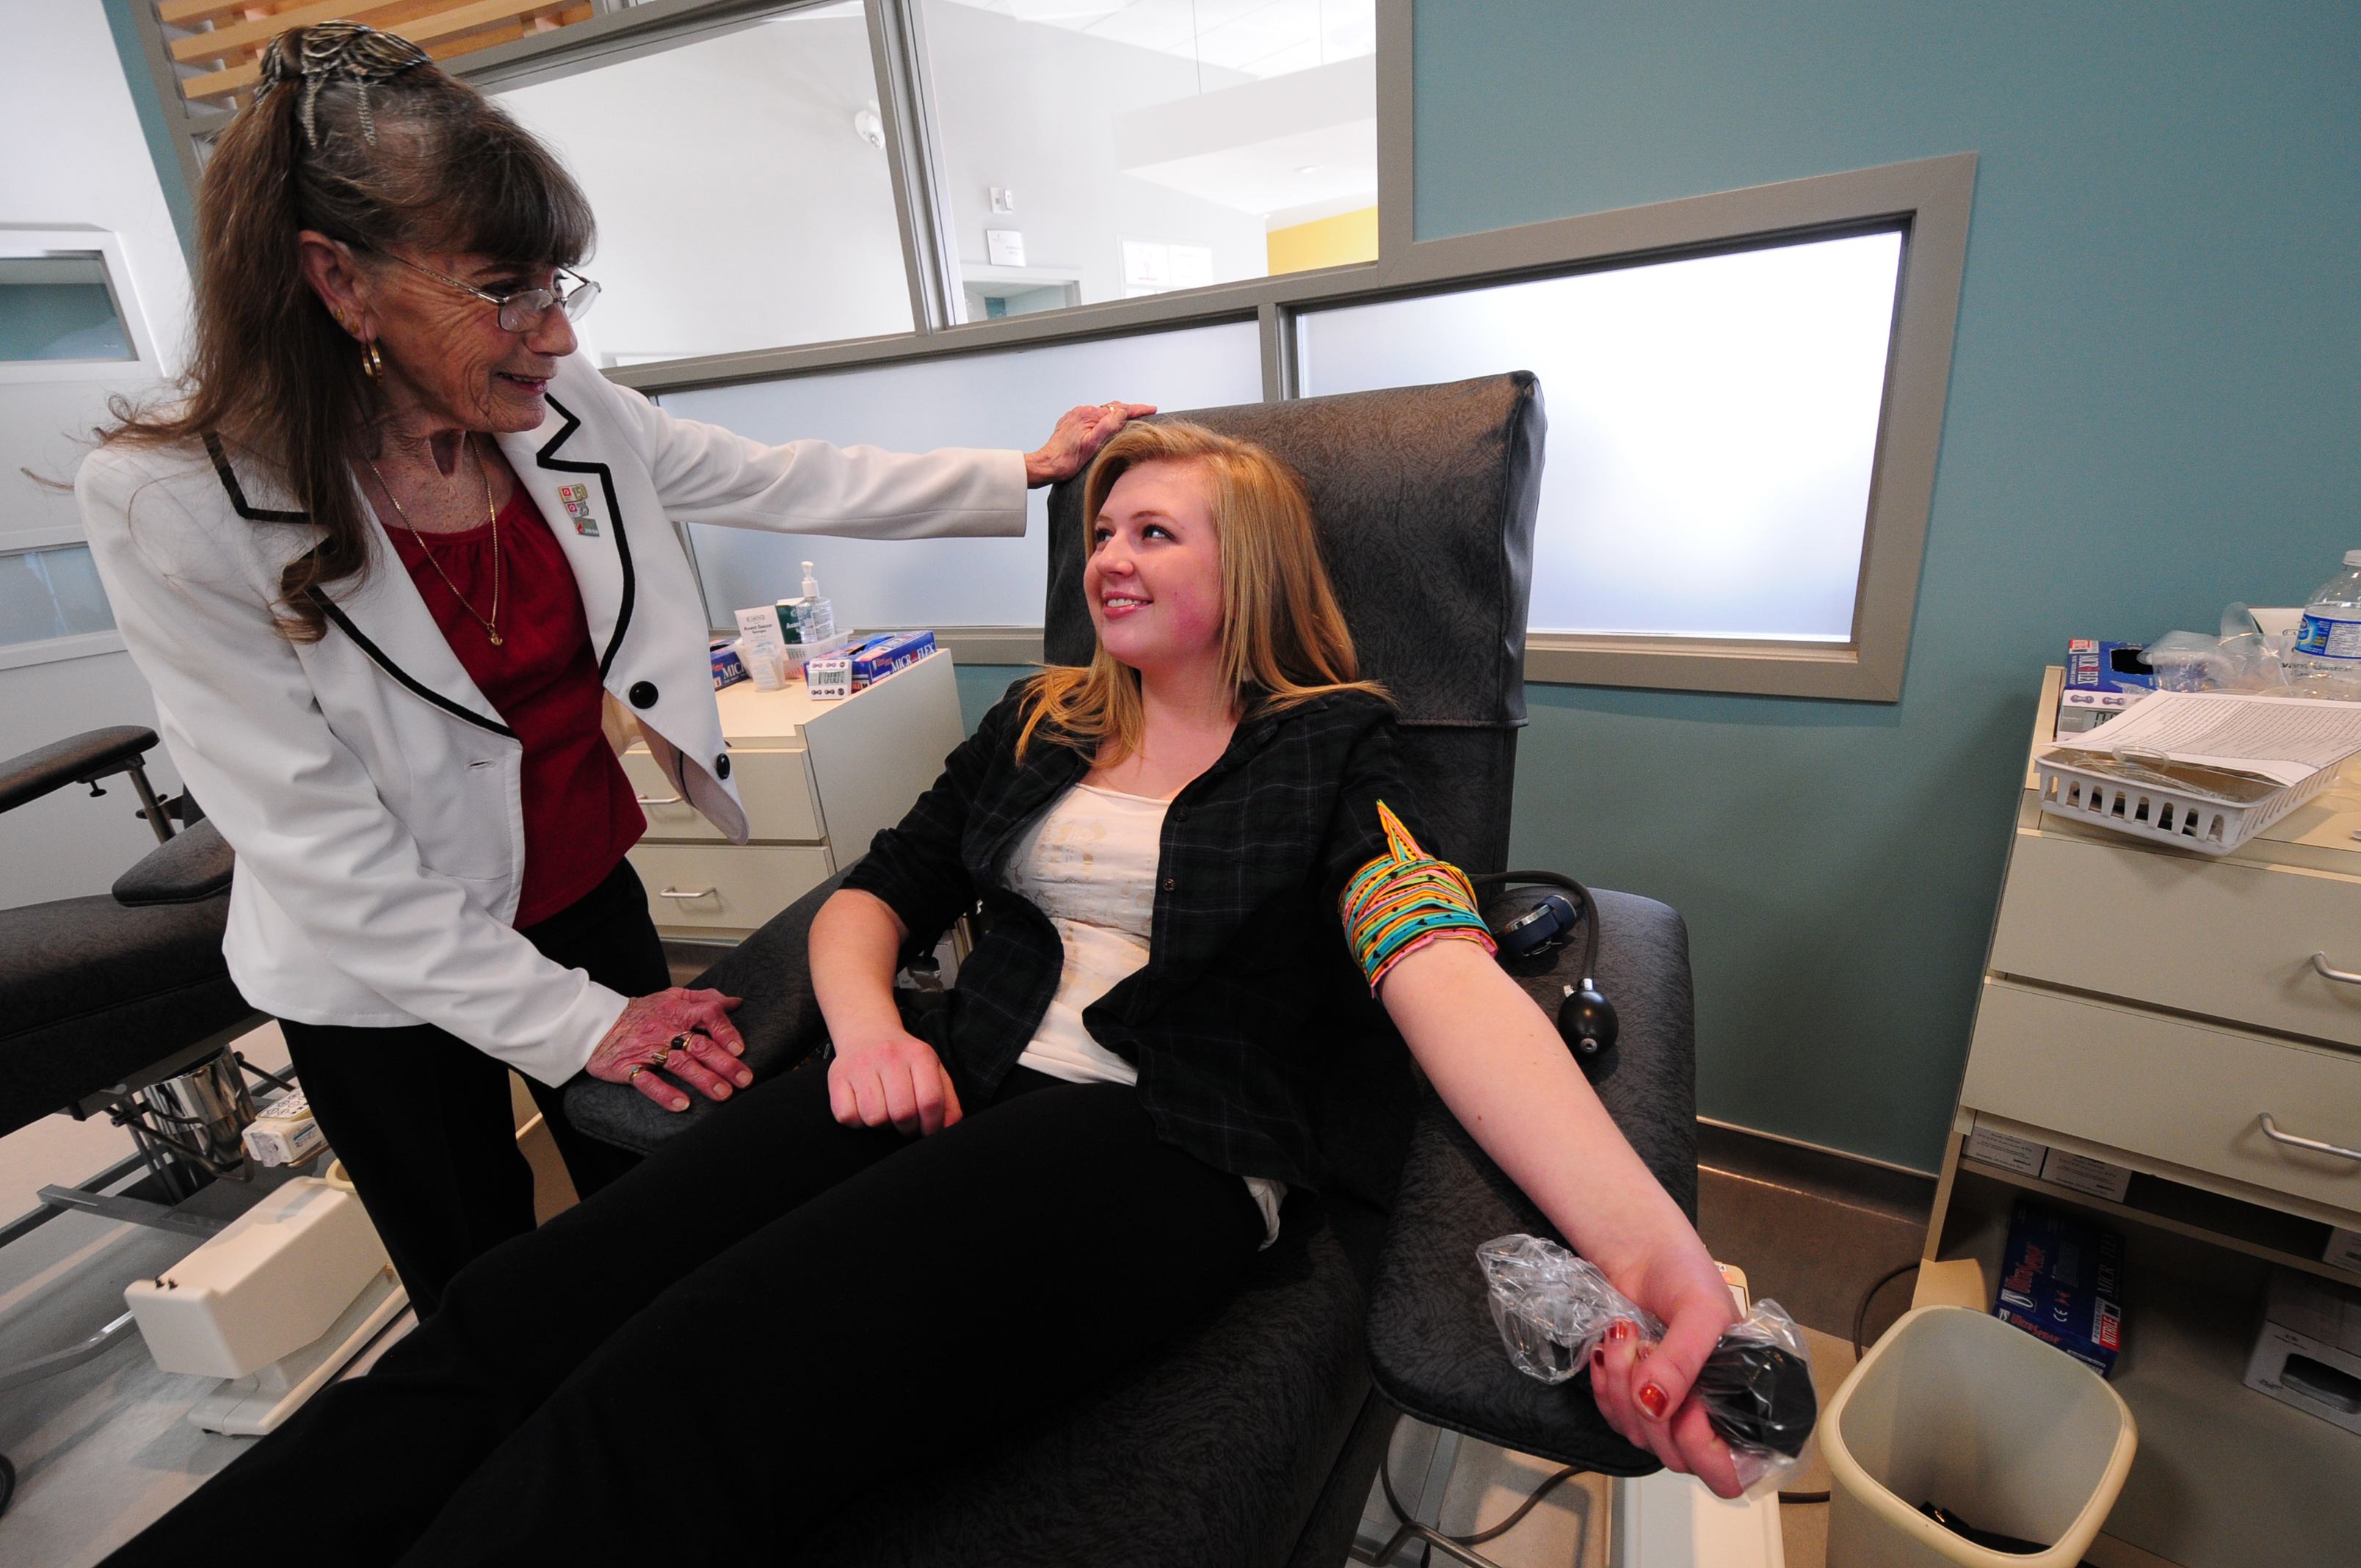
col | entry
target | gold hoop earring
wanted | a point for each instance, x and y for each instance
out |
(372, 362)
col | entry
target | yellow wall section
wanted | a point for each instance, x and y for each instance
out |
(1325, 242)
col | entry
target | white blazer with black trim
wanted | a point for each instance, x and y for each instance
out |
(371, 791)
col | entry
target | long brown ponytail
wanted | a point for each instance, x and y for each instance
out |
(413, 159)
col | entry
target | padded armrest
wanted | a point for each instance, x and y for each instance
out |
(77, 759)
(1432, 1343)
(188, 867)
(780, 1022)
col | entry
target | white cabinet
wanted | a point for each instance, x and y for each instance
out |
(2149, 1006)
(818, 779)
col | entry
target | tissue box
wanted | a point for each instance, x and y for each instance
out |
(2308, 1353)
(2061, 1282)
(2093, 665)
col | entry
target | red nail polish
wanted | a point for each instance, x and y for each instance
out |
(1598, 1355)
(1652, 1399)
(1620, 1330)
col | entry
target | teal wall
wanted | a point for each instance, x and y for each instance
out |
(2154, 404)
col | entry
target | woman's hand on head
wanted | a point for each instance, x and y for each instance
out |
(1643, 1389)
(894, 1080)
(1076, 440)
(675, 1035)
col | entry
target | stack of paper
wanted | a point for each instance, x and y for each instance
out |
(2286, 738)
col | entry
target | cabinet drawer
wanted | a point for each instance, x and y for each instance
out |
(2228, 941)
(726, 888)
(2175, 1091)
(775, 785)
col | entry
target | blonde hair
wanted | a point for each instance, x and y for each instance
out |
(1283, 640)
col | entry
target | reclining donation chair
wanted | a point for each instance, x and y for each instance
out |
(121, 1006)
(1254, 1440)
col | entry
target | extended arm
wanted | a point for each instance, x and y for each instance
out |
(708, 474)
(1499, 1064)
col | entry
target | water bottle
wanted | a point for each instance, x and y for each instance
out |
(2327, 653)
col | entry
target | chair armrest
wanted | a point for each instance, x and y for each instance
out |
(187, 868)
(1433, 1347)
(781, 1023)
(77, 759)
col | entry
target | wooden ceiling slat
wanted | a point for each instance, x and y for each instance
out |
(443, 31)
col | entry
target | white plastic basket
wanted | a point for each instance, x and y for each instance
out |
(2185, 819)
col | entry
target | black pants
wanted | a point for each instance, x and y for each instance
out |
(733, 1338)
(423, 1120)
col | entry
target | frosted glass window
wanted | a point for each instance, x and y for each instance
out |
(740, 187)
(51, 593)
(1008, 399)
(1712, 427)
(1102, 150)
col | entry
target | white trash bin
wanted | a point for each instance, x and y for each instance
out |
(1957, 1408)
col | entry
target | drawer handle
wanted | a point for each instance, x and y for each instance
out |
(674, 800)
(2341, 976)
(694, 893)
(2272, 1131)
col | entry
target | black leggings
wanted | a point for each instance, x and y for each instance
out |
(734, 1337)
(423, 1120)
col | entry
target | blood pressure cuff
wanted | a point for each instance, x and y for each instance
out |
(1404, 899)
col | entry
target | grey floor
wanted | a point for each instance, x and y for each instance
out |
(105, 1448)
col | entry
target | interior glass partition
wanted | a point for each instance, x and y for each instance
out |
(742, 189)
(1107, 150)
(1713, 426)
(1008, 398)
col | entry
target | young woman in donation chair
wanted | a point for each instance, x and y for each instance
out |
(1211, 926)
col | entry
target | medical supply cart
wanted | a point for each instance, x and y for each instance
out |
(2169, 1044)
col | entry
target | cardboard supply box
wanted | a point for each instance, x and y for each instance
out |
(2307, 1352)
(2061, 1282)
(881, 656)
(729, 669)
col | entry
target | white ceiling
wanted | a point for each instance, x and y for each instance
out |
(1260, 37)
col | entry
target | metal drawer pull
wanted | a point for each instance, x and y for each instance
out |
(2341, 976)
(674, 800)
(2272, 1131)
(707, 892)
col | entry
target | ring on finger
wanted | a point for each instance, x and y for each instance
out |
(633, 1076)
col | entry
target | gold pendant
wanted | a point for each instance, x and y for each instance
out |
(498, 639)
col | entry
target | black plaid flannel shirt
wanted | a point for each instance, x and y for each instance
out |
(1258, 1047)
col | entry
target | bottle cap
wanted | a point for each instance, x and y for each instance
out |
(2352, 557)
(811, 587)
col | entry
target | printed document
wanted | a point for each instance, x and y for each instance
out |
(2284, 738)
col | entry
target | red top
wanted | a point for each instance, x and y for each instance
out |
(580, 815)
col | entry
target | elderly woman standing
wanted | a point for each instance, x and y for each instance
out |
(381, 562)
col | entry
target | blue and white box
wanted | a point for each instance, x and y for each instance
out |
(2061, 1282)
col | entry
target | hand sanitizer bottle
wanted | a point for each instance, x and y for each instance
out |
(810, 618)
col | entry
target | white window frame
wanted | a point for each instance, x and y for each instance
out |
(51, 650)
(24, 241)
(1929, 199)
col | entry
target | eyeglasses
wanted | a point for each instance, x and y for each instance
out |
(523, 310)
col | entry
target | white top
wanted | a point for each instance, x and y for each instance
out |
(1089, 863)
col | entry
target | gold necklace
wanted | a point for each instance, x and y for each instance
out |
(489, 623)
